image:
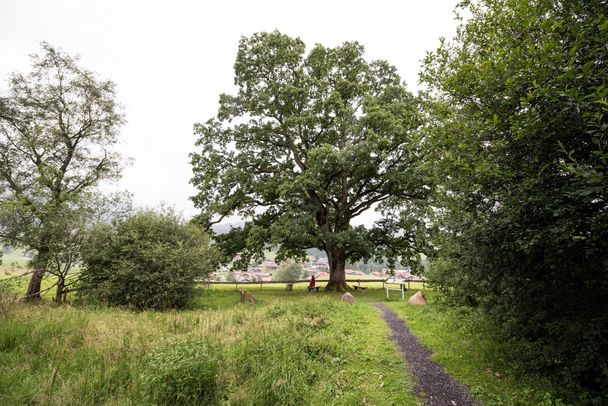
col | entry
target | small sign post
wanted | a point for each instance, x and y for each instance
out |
(394, 281)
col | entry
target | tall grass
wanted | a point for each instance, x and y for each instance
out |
(289, 349)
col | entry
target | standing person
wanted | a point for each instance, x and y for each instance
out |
(311, 286)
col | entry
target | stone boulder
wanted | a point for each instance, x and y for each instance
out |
(348, 298)
(417, 299)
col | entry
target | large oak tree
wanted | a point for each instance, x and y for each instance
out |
(57, 128)
(309, 142)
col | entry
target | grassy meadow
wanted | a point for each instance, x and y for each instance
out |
(290, 348)
(14, 259)
(313, 350)
(13, 264)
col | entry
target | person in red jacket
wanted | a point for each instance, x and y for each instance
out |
(311, 286)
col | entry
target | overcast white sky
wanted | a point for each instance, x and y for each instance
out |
(172, 59)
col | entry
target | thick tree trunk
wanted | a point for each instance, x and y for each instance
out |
(33, 289)
(335, 255)
(337, 274)
(40, 265)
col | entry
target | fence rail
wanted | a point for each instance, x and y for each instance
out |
(261, 283)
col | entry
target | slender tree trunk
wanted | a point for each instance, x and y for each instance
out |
(59, 295)
(337, 274)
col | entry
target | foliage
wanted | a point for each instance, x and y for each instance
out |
(289, 271)
(57, 129)
(70, 229)
(309, 142)
(518, 105)
(181, 373)
(148, 261)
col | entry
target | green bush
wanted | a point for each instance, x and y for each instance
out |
(183, 373)
(148, 261)
(289, 271)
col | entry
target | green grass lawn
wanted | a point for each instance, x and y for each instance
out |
(294, 348)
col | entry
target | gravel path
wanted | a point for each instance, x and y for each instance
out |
(432, 382)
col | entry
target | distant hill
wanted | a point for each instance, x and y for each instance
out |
(223, 228)
(316, 253)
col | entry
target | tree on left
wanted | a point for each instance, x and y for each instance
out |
(58, 126)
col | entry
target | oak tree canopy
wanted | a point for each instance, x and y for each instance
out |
(309, 142)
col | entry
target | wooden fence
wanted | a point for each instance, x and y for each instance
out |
(261, 283)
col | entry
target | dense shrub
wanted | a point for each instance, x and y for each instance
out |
(183, 373)
(519, 117)
(148, 261)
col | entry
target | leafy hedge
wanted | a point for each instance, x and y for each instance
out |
(519, 128)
